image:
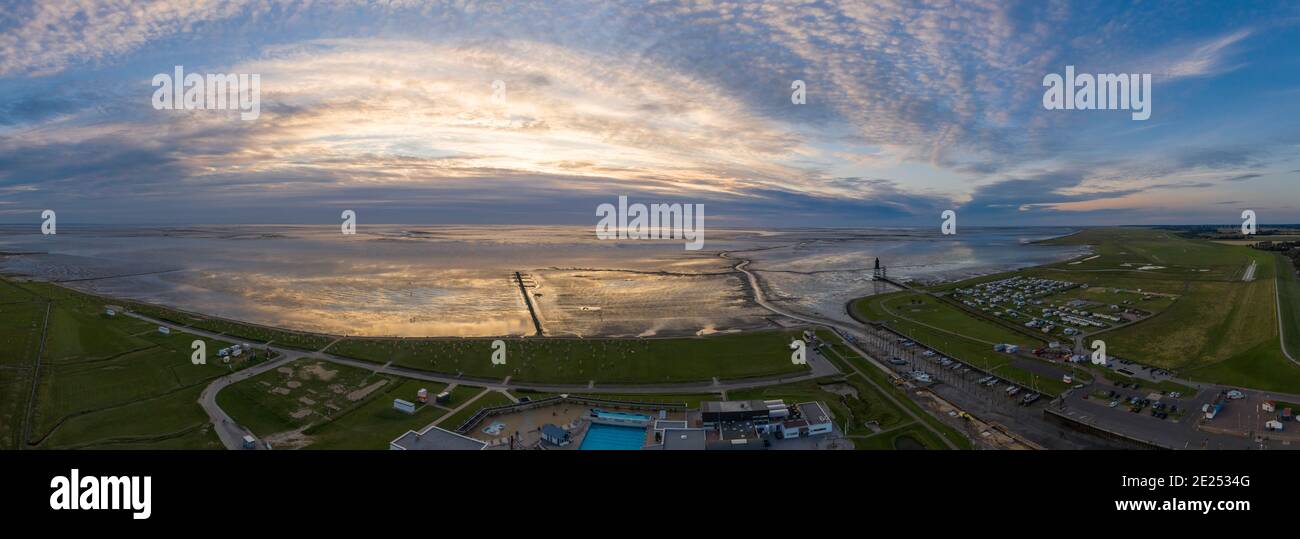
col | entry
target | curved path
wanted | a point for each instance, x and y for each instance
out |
(843, 330)
(231, 433)
(1277, 300)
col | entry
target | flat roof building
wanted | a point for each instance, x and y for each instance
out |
(712, 412)
(435, 439)
(684, 440)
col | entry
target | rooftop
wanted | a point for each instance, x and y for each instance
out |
(684, 439)
(813, 412)
(437, 439)
(733, 406)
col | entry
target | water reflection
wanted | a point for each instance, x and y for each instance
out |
(458, 281)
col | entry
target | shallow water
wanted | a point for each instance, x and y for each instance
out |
(459, 280)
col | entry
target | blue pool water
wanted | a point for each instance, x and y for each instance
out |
(624, 416)
(613, 437)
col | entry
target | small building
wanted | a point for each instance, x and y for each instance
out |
(793, 428)
(110, 312)
(422, 395)
(819, 420)
(1274, 425)
(404, 406)
(1268, 406)
(556, 435)
(164, 330)
(443, 398)
(1285, 415)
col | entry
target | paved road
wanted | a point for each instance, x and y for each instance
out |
(231, 433)
(1281, 328)
(843, 330)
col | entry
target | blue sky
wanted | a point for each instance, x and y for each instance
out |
(912, 108)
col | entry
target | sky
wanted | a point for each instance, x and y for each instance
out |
(389, 109)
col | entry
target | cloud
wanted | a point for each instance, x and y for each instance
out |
(912, 106)
(43, 38)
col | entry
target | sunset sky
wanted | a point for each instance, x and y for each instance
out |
(387, 108)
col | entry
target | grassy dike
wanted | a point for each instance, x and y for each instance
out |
(115, 382)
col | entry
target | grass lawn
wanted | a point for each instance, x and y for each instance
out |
(574, 361)
(172, 420)
(927, 310)
(909, 437)
(94, 362)
(882, 379)
(489, 400)
(300, 394)
(692, 400)
(375, 423)
(1289, 292)
(1218, 328)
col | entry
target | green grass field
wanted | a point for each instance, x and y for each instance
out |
(853, 363)
(1289, 291)
(488, 400)
(1218, 328)
(577, 361)
(300, 394)
(961, 335)
(104, 381)
(375, 423)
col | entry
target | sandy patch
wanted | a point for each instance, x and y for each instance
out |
(293, 384)
(292, 439)
(285, 370)
(301, 413)
(306, 401)
(280, 391)
(361, 393)
(317, 371)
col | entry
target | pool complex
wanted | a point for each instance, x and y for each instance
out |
(613, 437)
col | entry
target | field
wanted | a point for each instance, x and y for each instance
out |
(1289, 296)
(1207, 323)
(22, 316)
(577, 361)
(961, 335)
(489, 399)
(301, 394)
(375, 423)
(312, 404)
(860, 371)
(105, 381)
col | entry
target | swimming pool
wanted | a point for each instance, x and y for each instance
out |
(613, 437)
(619, 418)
